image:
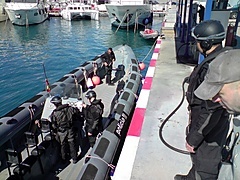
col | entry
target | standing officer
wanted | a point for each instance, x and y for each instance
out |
(208, 121)
(201, 12)
(63, 118)
(222, 84)
(108, 59)
(93, 116)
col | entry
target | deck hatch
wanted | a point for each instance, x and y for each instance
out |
(14, 112)
(62, 79)
(125, 96)
(119, 108)
(134, 68)
(130, 85)
(84, 64)
(133, 77)
(134, 61)
(102, 147)
(73, 71)
(53, 86)
(111, 128)
(12, 121)
(34, 98)
(90, 172)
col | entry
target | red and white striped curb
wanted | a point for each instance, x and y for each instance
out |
(126, 160)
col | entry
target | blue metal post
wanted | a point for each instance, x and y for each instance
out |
(184, 22)
(178, 20)
(180, 17)
(207, 16)
(189, 26)
(237, 20)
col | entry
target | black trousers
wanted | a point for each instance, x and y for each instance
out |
(108, 70)
(67, 139)
(206, 162)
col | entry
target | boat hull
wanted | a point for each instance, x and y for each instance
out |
(26, 13)
(78, 12)
(124, 16)
(3, 14)
(3, 17)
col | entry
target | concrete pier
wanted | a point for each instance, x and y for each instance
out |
(144, 155)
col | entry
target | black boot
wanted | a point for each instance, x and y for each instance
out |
(181, 177)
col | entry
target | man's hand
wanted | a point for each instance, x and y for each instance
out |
(37, 123)
(105, 64)
(190, 148)
(84, 105)
(89, 134)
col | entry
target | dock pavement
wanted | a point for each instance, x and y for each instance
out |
(144, 155)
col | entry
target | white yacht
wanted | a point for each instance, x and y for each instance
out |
(3, 14)
(78, 11)
(27, 13)
(125, 13)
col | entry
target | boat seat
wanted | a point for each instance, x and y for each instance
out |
(32, 142)
(48, 137)
(13, 177)
(25, 166)
(14, 159)
(46, 127)
(41, 149)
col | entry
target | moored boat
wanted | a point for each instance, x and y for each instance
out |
(129, 13)
(72, 87)
(27, 13)
(3, 14)
(149, 34)
(54, 12)
(78, 11)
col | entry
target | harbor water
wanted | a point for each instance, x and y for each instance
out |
(61, 46)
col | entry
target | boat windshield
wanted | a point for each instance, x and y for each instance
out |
(68, 90)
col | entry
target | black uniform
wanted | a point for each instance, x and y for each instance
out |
(108, 58)
(207, 128)
(63, 120)
(93, 116)
(201, 12)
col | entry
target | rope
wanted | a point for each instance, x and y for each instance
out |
(85, 74)
(136, 21)
(31, 111)
(94, 68)
(150, 50)
(121, 21)
(77, 85)
(109, 165)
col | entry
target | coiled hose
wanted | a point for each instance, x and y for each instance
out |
(168, 117)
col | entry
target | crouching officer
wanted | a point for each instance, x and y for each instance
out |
(63, 120)
(93, 116)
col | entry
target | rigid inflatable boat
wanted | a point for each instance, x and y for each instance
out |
(96, 162)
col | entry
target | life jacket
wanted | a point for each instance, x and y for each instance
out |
(94, 110)
(64, 116)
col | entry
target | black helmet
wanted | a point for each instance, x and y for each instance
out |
(56, 100)
(91, 94)
(209, 30)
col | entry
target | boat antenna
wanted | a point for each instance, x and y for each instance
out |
(46, 79)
